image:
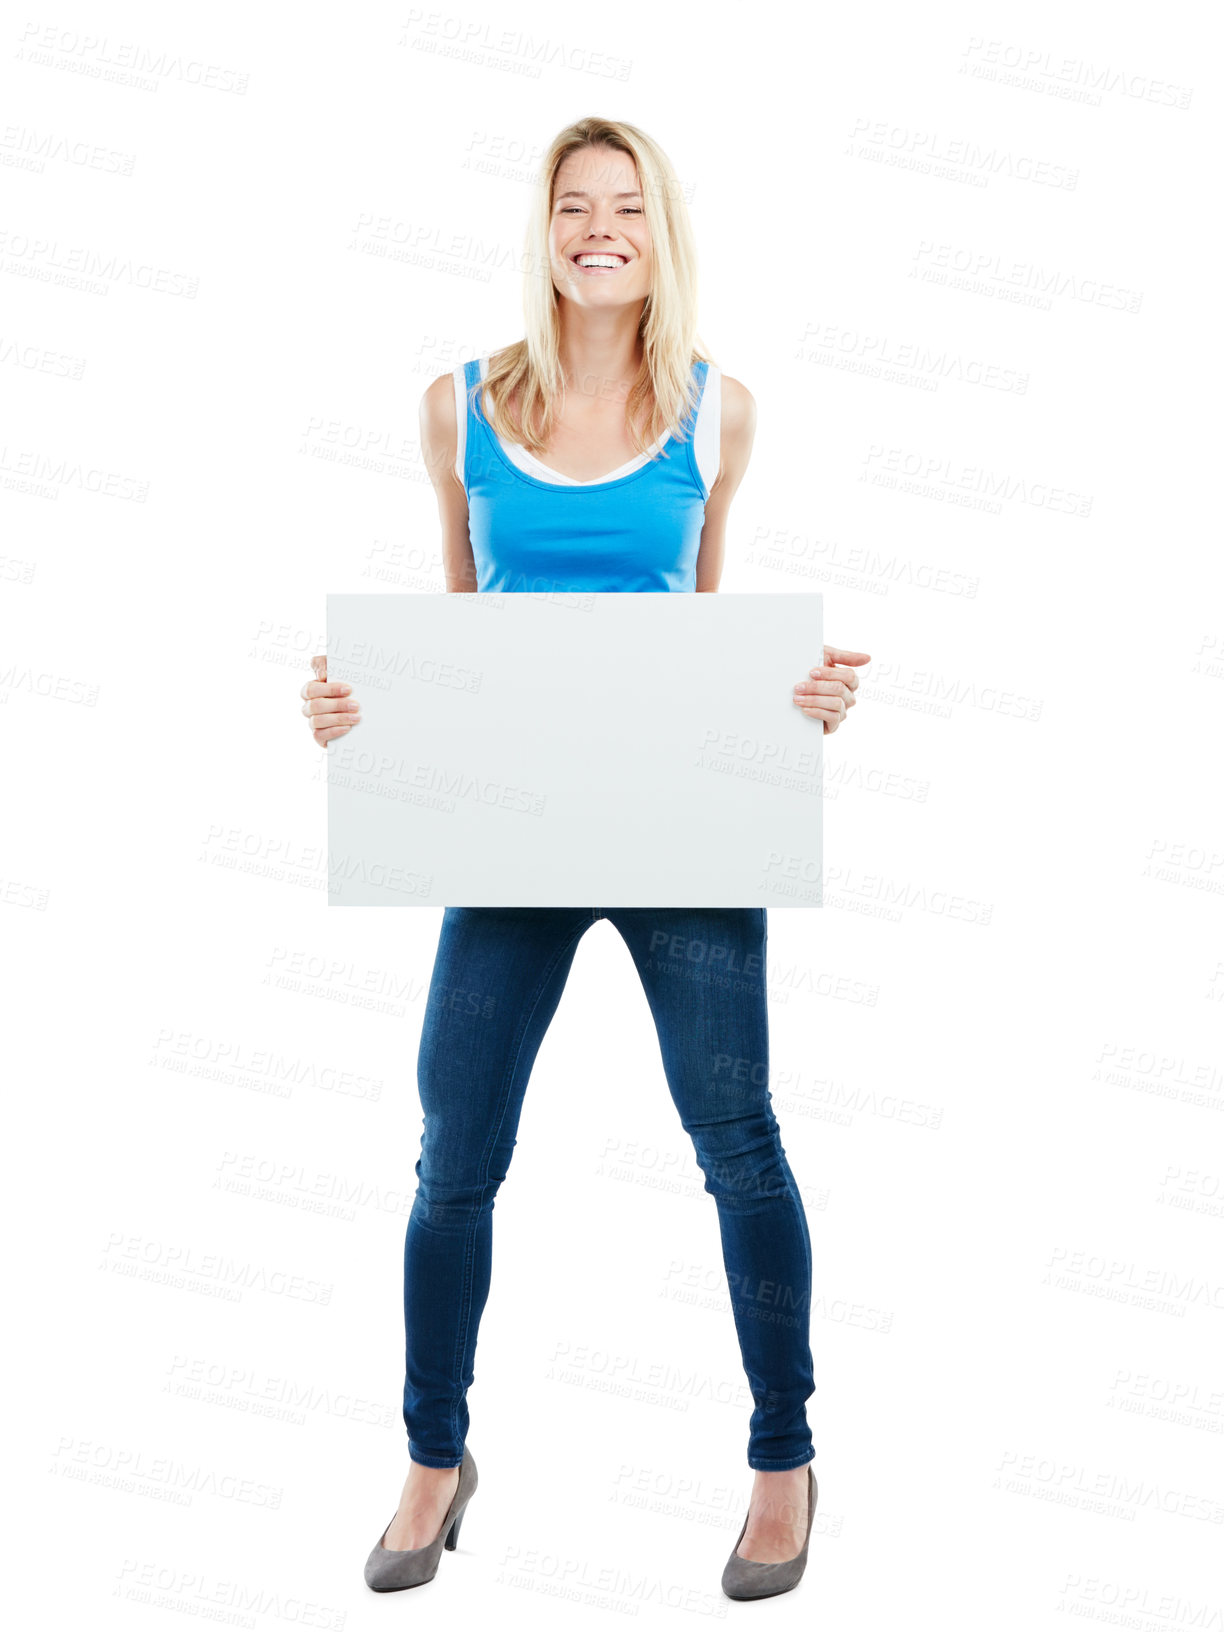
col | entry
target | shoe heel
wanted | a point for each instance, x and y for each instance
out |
(392, 1569)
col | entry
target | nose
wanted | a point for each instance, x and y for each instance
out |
(600, 222)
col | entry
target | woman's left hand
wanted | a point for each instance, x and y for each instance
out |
(828, 692)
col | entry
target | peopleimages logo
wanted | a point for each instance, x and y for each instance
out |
(1073, 78)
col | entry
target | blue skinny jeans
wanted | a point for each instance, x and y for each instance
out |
(497, 980)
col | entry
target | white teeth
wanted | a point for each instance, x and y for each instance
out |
(600, 260)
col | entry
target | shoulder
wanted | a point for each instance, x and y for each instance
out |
(738, 423)
(738, 407)
(438, 401)
(439, 422)
(737, 427)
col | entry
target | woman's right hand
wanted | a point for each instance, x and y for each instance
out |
(329, 709)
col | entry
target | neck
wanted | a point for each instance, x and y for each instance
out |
(600, 351)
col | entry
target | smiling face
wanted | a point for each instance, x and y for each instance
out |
(598, 240)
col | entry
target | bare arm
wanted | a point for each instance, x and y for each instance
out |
(735, 447)
(329, 706)
(827, 691)
(439, 443)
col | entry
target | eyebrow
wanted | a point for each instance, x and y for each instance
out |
(573, 192)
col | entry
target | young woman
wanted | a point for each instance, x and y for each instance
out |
(599, 453)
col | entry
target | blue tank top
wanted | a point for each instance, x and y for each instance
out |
(638, 533)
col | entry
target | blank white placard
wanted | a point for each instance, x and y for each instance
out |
(575, 750)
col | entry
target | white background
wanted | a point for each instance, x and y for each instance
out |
(996, 1050)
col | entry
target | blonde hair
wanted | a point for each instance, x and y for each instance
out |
(525, 382)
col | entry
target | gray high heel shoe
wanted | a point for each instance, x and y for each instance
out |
(388, 1569)
(746, 1578)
